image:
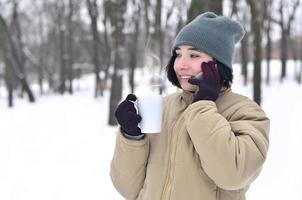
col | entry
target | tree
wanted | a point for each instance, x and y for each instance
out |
(257, 8)
(70, 29)
(268, 39)
(197, 7)
(146, 19)
(245, 54)
(61, 26)
(241, 14)
(134, 43)
(39, 43)
(107, 45)
(158, 35)
(117, 22)
(93, 13)
(8, 73)
(216, 6)
(285, 31)
(14, 52)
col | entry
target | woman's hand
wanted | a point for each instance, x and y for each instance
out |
(127, 116)
(209, 85)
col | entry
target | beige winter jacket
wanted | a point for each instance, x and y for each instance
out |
(206, 150)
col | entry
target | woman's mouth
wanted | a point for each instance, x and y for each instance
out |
(186, 77)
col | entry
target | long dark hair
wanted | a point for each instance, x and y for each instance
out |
(226, 73)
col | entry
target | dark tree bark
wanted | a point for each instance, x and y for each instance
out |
(93, 12)
(9, 82)
(258, 16)
(62, 46)
(300, 75)
(158, 30)
(41, 54)
(107, 44)
(146, 19)
(244, 50)
(285, 33)
(197, 7)
(133, 47)
(18, 42)
(269, 41)
(216, 6)
(244, 58)
(8, 72)
(70, 45)
(14, 60)
(118, 22)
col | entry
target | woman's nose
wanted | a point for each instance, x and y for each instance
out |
(183, 62)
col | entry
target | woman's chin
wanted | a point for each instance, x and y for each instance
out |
(189, 88)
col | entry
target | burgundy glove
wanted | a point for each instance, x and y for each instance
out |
(209, 86)
(127, 116)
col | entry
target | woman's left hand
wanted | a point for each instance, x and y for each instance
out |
(209, 86)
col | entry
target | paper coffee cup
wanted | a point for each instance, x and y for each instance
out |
(150, 108)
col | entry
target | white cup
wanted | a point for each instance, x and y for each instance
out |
(150, 108)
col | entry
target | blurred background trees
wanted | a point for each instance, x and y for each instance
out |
(52, 43)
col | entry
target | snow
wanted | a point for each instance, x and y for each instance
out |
(60, 147)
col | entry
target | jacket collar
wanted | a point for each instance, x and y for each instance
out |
(187, 97)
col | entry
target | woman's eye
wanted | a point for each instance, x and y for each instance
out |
(194, 56)
(178, 54)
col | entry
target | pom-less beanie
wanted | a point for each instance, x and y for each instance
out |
(212, 34)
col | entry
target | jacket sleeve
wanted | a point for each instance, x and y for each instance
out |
(231, 151)
(128, 166)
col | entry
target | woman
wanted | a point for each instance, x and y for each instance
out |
(213, 142)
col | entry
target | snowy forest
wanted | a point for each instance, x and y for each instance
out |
(53, 43)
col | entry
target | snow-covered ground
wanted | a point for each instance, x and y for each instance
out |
(60, 148)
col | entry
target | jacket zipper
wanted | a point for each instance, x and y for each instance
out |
(171, 165)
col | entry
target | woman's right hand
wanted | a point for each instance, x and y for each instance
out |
(127, 116)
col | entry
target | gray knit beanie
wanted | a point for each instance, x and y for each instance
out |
(212, 34)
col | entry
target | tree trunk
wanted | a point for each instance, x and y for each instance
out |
(283, 54)
(107, 47)
(62, 51)
(197, 7)
(14, 60)
(268, 39)
(9, 84)
(300, 75)
(18, 43)
(70, 46)
(285, 34)
(41, 55)
(158, 31)
(257, 65)
(93, 12)
(216, 6)
(115, 97)
(8, 77)
(146, 19)
(159, 37)
(244, 58)
(118, 22)
(268, 46)
(257, 20)
(40, 42)
(133, 55)
(116, 87)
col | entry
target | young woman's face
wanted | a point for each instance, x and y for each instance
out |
(188, 65)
